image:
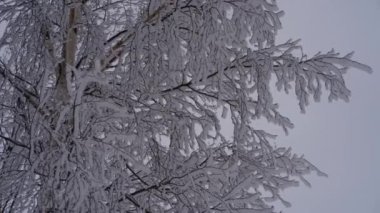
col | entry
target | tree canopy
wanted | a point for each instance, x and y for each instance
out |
(116, 106)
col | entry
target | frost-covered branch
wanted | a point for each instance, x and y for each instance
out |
(111, 106)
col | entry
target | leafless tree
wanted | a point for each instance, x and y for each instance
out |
(115, 106)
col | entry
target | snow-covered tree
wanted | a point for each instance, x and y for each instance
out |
(116, 106)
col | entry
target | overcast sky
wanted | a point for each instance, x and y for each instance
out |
(342, 139)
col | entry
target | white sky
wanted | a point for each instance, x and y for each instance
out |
(340, 138)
